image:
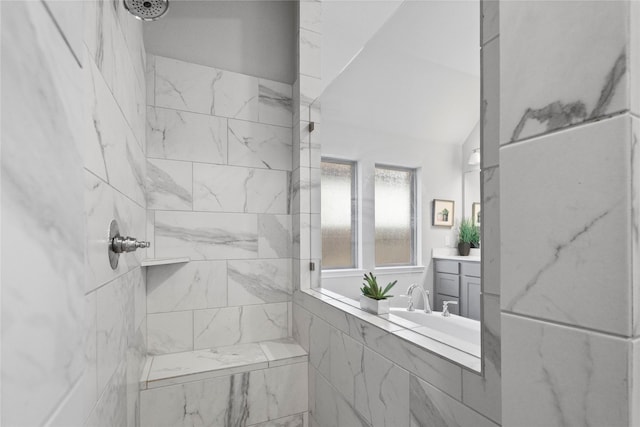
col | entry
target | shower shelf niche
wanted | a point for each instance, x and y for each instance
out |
(150, 262)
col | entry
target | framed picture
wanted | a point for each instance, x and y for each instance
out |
(443, 212)
(475, 214)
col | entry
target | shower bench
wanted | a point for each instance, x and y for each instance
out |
(255, 384)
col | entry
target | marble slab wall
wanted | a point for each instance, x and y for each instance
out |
(569, 172)
(219, 172)
(114, 179)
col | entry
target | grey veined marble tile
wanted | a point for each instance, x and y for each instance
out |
(169, 185)
(259, 145)
(275, 103)
(202, 235)
(238, 189)
(259, 281)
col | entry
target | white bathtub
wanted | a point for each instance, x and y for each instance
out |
(455, 331)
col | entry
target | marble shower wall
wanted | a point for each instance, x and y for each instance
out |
(114, 171)
(219, 163)
(360, 375)
(72, 159)
(569, 170)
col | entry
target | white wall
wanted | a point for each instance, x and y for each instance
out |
(249, 37)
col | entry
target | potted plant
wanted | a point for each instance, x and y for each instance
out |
(374, 297)
(469, 236)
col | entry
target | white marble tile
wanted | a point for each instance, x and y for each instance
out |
(259, 281)
(197, 365)
(490, 20)
(235, 325)
(102, 204)
(290, 421)
(491, 231)
(346, 364)
(259, 145)
(115, 317)
(219, 188)
(169, 185)
(320, 346)
(311, 15)
(150, 234)
(240, 399)
(556, 375)
(67, 15)
(150, 80)
(590, 283)
(429, 406)
(331, 409)
(139, 283)
(200, 235)
(310, 89)
(275, 103)
(546, 89)
(196, 88)
(194, 285)
(274, 236)
(111, 409)
(111, 150)
(382, 392)
(634, 59)
(135, 360)
(483, 392)
(91, 392)
(302, 320)
(109, 51)
(169, 332)
(179, 135)
(635, 218)
(284, 351)
(490, 107)
(310, 53)
(635, 379)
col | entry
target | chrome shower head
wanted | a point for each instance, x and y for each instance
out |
(147, 10)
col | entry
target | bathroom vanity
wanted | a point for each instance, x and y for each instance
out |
(457, 279)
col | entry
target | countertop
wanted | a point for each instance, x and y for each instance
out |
(451, 254)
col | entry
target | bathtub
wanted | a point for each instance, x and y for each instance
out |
(455, 331)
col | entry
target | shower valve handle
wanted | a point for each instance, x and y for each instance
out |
(121, 244)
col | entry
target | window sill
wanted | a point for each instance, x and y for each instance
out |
(381, 271)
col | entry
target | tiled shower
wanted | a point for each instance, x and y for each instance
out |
(218, 167)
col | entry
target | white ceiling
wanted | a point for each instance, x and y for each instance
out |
(416, 76)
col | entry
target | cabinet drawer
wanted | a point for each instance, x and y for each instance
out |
(453, 309)
(443, 266)
(471, 269)
(448, 284)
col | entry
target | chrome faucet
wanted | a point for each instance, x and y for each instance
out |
(445, 307)
(425, 298)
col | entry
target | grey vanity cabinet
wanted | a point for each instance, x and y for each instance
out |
(458, 281)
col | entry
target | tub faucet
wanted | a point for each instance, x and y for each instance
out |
(425, 298)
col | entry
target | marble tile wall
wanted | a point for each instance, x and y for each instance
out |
(72, 159)
(114, 181)
(219, 172)
(572, 118)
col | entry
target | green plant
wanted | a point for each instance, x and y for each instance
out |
(469, 232)
(372, 290)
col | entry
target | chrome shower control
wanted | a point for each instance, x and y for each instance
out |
(119, 244)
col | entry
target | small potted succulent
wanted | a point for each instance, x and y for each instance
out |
(468, 237)
(374, 297)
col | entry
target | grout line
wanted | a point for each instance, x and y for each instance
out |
(565, 128)
(162, 107)
(576, 328)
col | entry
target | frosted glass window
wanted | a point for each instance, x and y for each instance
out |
(395, 216)
(338, 214)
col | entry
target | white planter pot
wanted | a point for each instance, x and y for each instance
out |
(373, 305)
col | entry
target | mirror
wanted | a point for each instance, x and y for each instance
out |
(399, 127)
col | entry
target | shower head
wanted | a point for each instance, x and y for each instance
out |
(147, 10)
